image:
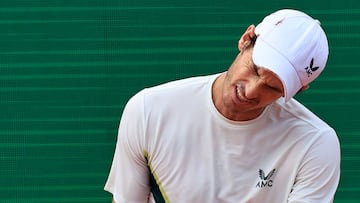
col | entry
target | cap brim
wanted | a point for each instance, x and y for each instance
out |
(267, 57)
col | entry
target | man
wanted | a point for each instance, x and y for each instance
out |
(237, 136)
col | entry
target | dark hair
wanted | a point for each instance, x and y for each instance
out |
(253, 40)
(251, 44)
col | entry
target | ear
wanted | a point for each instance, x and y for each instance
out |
(303, 88)
(245, 39)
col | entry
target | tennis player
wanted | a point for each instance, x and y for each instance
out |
(234, 137)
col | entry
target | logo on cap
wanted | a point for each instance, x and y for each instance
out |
(310, 69)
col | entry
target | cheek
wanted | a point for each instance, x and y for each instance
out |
(236, 73)
(269, 96)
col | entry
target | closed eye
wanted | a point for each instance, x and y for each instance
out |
(274, 88)
(270, 80)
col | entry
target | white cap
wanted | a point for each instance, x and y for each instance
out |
(292, 45)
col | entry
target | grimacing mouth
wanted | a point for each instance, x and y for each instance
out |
(240, 95)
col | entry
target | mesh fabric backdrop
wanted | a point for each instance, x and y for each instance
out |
(68, 67)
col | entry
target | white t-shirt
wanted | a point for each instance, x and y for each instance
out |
(173, 138)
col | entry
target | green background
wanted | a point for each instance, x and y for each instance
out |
(68, 67)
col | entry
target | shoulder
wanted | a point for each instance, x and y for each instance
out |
(177, 90)
(193, 82)
(178, 94)
(304, 124)
(295, 111)
(308, 125)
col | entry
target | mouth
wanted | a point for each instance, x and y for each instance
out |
(239, 90)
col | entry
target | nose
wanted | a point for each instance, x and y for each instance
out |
(252, 89)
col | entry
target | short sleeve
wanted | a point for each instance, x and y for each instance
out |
(319, 173)
(128, 180)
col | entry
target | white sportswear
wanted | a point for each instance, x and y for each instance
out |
(173, 141)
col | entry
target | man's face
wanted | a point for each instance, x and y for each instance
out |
(248, 89)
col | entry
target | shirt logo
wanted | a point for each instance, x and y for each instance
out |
(310, 69)
(265, 181)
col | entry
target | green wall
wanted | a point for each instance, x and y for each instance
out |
(68, 67)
